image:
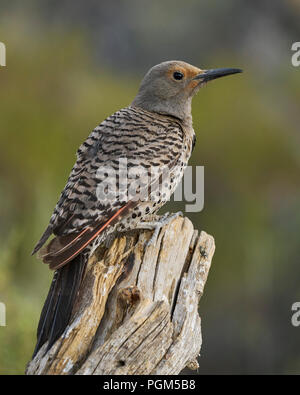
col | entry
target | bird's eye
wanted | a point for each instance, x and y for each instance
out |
(178, 75)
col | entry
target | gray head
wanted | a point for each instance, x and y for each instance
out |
(168, 88)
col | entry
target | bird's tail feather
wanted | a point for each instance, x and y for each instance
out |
(59, 303)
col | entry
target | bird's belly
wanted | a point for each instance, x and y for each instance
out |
(158, 197)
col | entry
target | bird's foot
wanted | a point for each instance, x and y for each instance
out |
(157, 224)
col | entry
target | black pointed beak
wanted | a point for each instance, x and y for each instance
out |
(212, 74)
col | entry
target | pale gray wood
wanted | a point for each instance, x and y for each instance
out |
(137, 309)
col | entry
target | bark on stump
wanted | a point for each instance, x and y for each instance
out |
(137, 308)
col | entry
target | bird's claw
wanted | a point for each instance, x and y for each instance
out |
(157, 225)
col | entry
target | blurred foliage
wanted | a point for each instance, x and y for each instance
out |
(53, 94)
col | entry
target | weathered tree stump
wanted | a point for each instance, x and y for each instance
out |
(137, 308)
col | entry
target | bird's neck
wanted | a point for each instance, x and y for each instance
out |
(181, 110)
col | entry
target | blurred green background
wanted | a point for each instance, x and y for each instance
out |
(71, 64)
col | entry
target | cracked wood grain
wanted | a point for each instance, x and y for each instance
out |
(137, 308)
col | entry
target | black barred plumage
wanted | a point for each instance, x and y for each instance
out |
(154, 133)
(113, 142)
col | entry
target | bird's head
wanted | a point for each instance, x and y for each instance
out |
(168, 88)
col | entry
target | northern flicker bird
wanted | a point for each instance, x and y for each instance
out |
(154, 131)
